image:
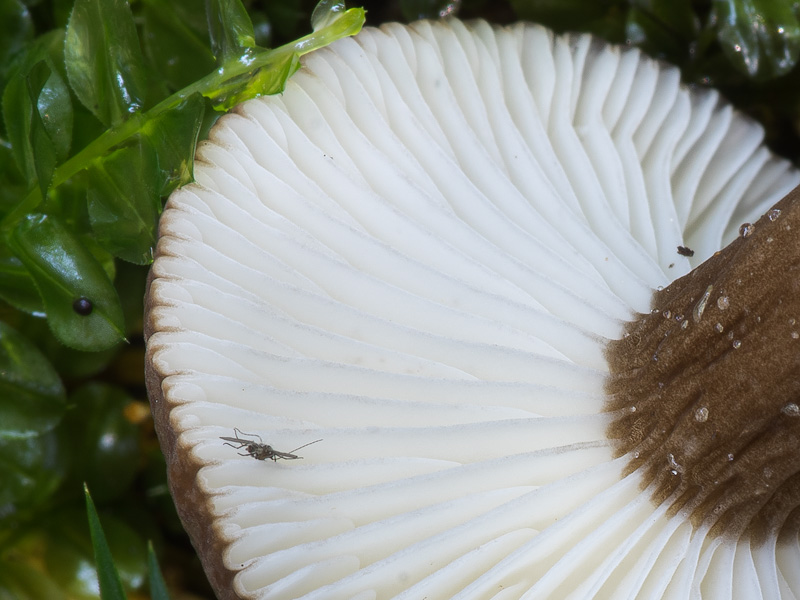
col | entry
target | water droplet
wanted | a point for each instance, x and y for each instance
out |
(730, 457)
(633, 409)
(774, 214)
(679, 317)
(701, 414)
(660, 288)
(685, 325)
(795, 335)
(746, 229)
(792, 321)
(791, 410)
(636, 455)
(700, 307)
(655, 357)
(655, 311)
(719, 328)
(737, 344)
(667, 314)
(723, 302)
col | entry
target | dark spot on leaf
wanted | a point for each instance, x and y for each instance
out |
(83, 306)
(684, 251)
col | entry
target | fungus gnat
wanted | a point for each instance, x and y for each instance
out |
(259, 450)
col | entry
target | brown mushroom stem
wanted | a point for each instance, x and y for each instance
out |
(708, 384)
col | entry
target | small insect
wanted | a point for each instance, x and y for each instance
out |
(259, 450)
(685, 251)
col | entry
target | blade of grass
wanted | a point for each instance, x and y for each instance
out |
(158, 589)
(110, 583)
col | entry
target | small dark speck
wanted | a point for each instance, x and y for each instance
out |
(671, 265)
(684, 251)
(83, 306)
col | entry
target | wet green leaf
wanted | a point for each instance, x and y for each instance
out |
(176, 42)
(66, 273)
(72, 365)
(53, 101)
(230, 29)
(32, 398)
(270, 79)
(104, 61)
(760, 37)
(173, 134)
(261, 72)
(326, 12)
(31, 469)
(17, 287)
(34, 150)
(123, 202)
(104, 443)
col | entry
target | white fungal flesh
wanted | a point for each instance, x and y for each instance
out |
(418, 253)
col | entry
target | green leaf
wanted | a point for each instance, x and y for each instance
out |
(175, 43)
(21, 581)
(110, 583)
(17, 287)
(123, 204)
(103, 441)
(760, 37)
(53, 101)
(16, 29)
(67, 275)
(327, 12)
(12, 181)
(663, 28)
(230, 29)
(104, 61)
(34, 150)
(32, 398)
(72, 365)
(261, 72)
(173, 134)
(605, 18)
(158, 589)
(31, 469)
(269, 79)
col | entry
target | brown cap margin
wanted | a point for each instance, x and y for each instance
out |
(191, 501)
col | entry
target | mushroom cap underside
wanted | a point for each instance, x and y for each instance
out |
(418, 254)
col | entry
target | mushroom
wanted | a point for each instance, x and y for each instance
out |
(448, 251)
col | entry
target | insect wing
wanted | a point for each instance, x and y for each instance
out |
(239, 441)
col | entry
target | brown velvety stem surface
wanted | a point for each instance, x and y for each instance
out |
(708, 385)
